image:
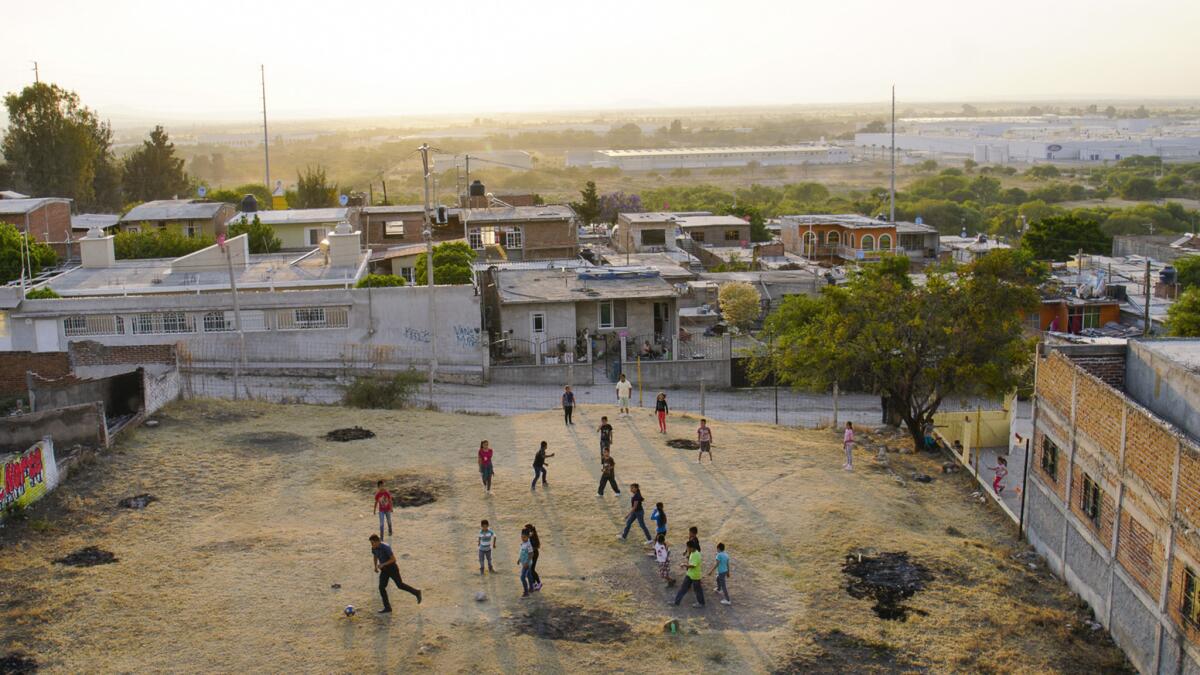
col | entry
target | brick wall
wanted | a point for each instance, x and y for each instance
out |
(1110, 368)
(1054, 382)
(1056, 481)
(91, 353)
(1098, 411)
(1150, 453)
(1188, 501)
(1140, 553)
(14, 365)
(1103, 529)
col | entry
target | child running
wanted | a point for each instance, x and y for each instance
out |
(662, 555)
(485, 466)
(660, 409)
(608, 474)
(721, 567)
(659, 516)
(487, 541)
(539, 466)
(535, 581)
(383, 506)
(526, 554)
(1001, 471)
(704, 436)
(692, 580)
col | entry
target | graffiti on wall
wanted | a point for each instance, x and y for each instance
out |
(417, 335)
(28, 476)
(467, 336)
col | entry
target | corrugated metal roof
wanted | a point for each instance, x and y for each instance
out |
(173, 209)
(12, 194)
(13, 207)
(401, 208)
(525, 286)
(295, 216)
(85, 221)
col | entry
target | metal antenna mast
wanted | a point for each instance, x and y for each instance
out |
(892, 198)
(266, 144)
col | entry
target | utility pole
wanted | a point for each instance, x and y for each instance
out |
(37, 76)
(262, 69)
(892, 194)
(428, 234)
(237, 320)
(1146, 308)
(468, 181)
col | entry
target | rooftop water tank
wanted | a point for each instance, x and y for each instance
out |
(1168, 275)
(477, 189)
(249, 204)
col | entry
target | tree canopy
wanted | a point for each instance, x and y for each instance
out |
(1060, 237)
(1183, 316)
(1188, 271)
(953, 336)
(740, 304)
(260, 236)
(13, 246)
(383, 280)
(165, 243)
(313, 190)
(452, 261)
(588, 208)
(153, 171)
(55, 146)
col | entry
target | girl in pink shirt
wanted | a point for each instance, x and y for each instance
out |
(848, 444)
(485, 465)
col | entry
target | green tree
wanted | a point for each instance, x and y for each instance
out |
(452, 261)
(153, 171)
(56, 147)
(1183, 316)
(740, 304)
(383, 281)
(13, 248)
(163, 243)
(758, 224)
(927, 166)
(43, 293)
(1043, 171)
(1188, 271)
(1139, 188)
(313, 190)
(260, 236)
(588, 208)
(875, 127)
(1060, 237)
(969, 165)
(954, 336)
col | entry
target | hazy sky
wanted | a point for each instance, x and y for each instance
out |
(199, 60)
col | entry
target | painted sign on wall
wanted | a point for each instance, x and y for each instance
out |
(28, 476)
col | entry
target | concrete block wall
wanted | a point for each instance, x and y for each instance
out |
(79, 424)
(1130, 563)
(161, 388)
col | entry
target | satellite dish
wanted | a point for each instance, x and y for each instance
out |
(202, 191)
(919, 220)
(343, 200)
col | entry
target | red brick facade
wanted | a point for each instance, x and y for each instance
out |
(90, 353)
(49, 223)
(14, 365)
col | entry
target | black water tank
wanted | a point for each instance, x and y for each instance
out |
(477, 189)
(1118, 292)
(249, 204)
(1168, 275)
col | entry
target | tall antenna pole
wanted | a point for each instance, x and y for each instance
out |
(266, 144)
(37, 77)
(428, 235)
(892, 200)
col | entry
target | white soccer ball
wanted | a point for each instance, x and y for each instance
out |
(349, 610)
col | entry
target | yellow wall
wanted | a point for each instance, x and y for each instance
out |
(974, 429)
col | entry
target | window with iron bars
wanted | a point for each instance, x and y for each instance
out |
(1190, 607)
(1050, 459)
(105, 324)
(217, 322)
(1090, 500)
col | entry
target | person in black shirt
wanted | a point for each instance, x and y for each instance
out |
(385, 564)
(606, 434)
(660, 409)
(636, 512)
(693, 538)
(568, 404)
(539, 466)
(608, 474)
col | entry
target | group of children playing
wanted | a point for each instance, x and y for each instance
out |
(692, 565)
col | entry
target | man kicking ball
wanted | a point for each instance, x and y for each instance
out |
(385, 564)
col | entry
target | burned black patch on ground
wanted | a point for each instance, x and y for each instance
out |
(683, 444)
(137, 501)
(87, 557)
(282, 442)
(17, 663)
(886, 578)
(355, 433)
(835, 652)
(408, 490)
(571, 623)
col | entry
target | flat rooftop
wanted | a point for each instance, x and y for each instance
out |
(718, 150)
(847, 220)
(1185, 352)
(710, 221)
(16, 207)
(532, 286)
(294, 216)
(518, 213)
(161, 275)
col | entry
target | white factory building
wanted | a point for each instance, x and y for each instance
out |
(665, 159)
(1000, 140)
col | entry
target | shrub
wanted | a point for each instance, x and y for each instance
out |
(380, 281)
(259, 236)
(389, 392)
(165, 243)
(43, 293)
(740, 304)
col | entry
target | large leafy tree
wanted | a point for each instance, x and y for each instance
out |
(153, 171)
(1188, 269)
(260, 236)
(452, 262)
(957, 335)
(1060, 237)
(313, 189)
(588, 208)
(754, 216)
(740, 304)
(56, 147)
(15, 248)
(164, 243)
(614, 204)
(1183, 316)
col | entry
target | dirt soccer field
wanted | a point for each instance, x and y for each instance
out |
(258, 521)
